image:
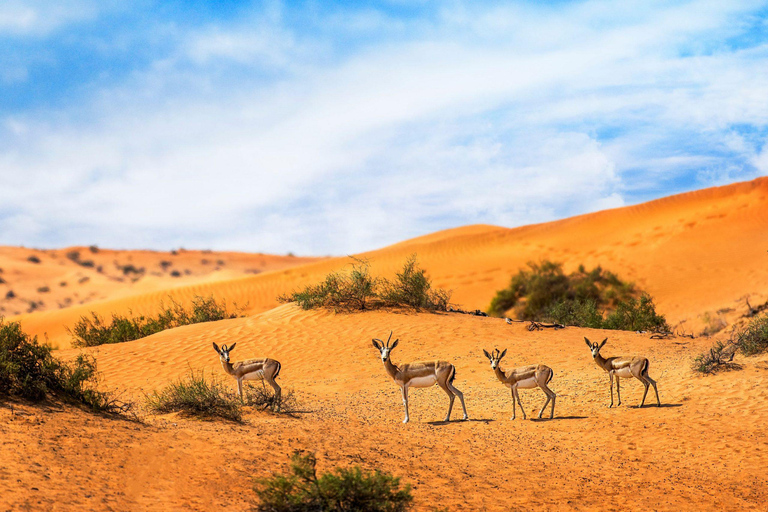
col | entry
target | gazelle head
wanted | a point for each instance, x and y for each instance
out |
(224, 351)
(495, 357)
(383, 348)
(594, 347)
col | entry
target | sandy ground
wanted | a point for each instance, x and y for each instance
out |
(699, 254)
(705, 449)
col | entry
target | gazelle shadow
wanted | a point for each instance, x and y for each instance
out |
(652, 406)
(537, 420)
(471, 420)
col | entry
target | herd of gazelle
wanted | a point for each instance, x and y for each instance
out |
(427, 374)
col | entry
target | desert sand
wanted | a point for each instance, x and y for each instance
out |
(704, 449)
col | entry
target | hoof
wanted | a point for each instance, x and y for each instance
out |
(466, 417)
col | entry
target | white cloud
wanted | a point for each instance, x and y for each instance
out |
(494, 117)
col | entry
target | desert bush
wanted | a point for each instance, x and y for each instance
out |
(43, 289)
(28, 370)
(196, 396)
(92, 331)
(33, 259)
(535, 291)
(356, 289)
(340, 490)
(583, 313)
(264, 398)
(412, 288)
(717, 358)
(753, 339)
(636, 315)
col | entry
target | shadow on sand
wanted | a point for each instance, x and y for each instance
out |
(537, 420)
(651, 406)
(470, 420)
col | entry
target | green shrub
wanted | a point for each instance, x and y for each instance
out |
(583, 313)
(351, 290)
(754, 338)
(636, 315)
(28, 370)
(356, 289)
(341, 490)
(535, 291)
(196, 396)
(412, 288)
(92, 331)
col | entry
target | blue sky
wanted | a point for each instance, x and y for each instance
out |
(337, 127)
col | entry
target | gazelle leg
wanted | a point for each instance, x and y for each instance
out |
(618, 389)
(514, 406)
(517, 395)
(240, 388)
(451, 398)
(653, 383)
(278, 391)
(461, 398)
(610, 377)
(405, 403)
(550, 397)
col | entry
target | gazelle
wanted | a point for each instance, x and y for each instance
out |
(420, 375)
(252, 369)
(524, 377)
(623, 367)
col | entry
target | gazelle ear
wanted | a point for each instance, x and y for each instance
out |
(486, 354)
(589, 343)
(603, 343)
(232, 347)
(503, 354)
(216, 348)
(376, 343)
(394, 344)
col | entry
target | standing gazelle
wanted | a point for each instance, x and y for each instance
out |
(623, 367)
(524, 377)
(264, 369)
(420, 375)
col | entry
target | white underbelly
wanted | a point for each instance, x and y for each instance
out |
(422, 382)
(624, 373)
(257, 375)
(527, 383)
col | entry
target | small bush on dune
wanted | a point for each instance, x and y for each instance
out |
(717, 358)
(754, 338)
(341, 490)
(29, 371)
(357, 290)
(353, 290)
(92, 331)
(412, 288)
(264, 398)
(595, 298)
(636, 315)
(197, 396)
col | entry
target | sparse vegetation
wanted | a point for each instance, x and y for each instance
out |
(43, 289)
(92, 331)
(28, 370)
(264, 398)
(196, 396)
(341, 490)
(33, 259)
(595, 298)
(717, 358)
(357, 289)
(753, 339)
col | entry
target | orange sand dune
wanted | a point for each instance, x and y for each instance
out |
(704, 450)
(699, 254)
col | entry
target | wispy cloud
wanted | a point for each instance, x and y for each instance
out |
(334, 131)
